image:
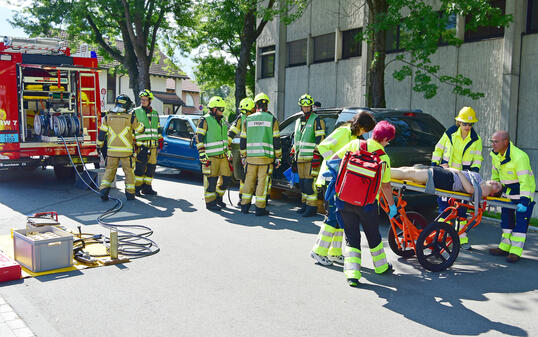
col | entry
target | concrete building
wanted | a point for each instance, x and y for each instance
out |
(317, 54)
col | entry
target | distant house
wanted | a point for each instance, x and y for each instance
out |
(167, 82)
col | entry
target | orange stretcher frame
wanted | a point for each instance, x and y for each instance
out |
(436, 245)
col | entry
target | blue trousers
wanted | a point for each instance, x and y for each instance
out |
(516, 221)
(442, 203)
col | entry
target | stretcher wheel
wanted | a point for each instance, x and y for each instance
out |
(438, 246)
(405, 251)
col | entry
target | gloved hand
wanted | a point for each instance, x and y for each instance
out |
(277, 163)
(204, 159)
(316, 160)
(243, 161)
(521, 208)
(393, 211)
(229, 155)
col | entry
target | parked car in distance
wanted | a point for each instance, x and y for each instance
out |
(416, 135)
(179, 151)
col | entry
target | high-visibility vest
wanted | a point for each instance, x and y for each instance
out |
(150, 136)
(305, 139)
(461, 154)
(119, 129)
(259, 130)
(216, 138)
(335, 141)
(513, 170)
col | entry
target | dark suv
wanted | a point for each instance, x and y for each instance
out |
(416, 136)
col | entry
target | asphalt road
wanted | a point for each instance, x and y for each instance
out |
(231, 274)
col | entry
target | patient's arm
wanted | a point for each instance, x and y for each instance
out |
(466, 183)
(419, 176)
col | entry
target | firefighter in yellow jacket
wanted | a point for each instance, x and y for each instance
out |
(260, 148)
(212, 144)
(147, 143)
(309, 132)
(118, 130)
(247, 108)
(460, 147)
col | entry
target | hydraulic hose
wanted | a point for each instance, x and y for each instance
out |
(130, 243)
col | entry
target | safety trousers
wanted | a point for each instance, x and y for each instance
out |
(257, 183)
(462, 223)
(217, 166)
(353, 217)
(146, 163)
(330, 236)
(307, 183)
(514, 226)
(112, 164)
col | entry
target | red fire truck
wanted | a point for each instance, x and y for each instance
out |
(48, 99)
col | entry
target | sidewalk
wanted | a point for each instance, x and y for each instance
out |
(10, 323)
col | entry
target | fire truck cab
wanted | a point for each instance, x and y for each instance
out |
(49, 100)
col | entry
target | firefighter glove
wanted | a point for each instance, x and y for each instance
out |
(277, 163)
(393, 210)
(521, 208)
(204, 159)
(316, 160)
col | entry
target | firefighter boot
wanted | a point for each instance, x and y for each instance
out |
(104, 193)
(137, 191)
(147, 190)
(240, 198)
(221, 203)
(310, 211)
(302, 209)
(212, 206)
(245, 208)
(261, 211)
(130, 196)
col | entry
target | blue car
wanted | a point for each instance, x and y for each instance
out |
(179, 151)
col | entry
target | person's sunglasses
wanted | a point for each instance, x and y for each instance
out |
(466, 124)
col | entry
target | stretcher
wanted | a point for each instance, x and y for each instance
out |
(436, 245)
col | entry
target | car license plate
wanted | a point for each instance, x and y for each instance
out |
(9, 137)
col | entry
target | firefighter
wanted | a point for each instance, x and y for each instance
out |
(260, 147)
(309, 131)
(460, 147)
(247, 107)
(147, 143)
(512, 168)
(353, 216)
(212, 144)
(328, 246)
(118, 131)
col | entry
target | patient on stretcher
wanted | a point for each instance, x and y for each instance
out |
(449, 179)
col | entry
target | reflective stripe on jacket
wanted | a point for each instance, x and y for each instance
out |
(458, 153)
(216, 137)
(149, 137)
(118, 129)
(514, 171)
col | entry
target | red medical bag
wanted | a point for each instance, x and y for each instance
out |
(360, 176)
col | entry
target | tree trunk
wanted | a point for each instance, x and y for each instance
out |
(241, 72)
(375, 89)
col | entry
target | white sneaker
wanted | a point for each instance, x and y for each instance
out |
(320, 259)
(337, 258)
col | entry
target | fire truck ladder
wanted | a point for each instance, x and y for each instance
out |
(34, 46)
(90, 104)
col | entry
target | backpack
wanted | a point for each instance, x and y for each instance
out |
(360, 176)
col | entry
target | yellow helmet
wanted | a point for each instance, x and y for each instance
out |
(261, 96)
(306, 100)
(146, 93)
(246, 104)
(216, 102)
(467, 115)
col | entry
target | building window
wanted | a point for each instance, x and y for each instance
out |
(324, 48)
(296, 53)
(481, 33)
(110, 88)
(351, 43)
(189, 101)
(392, 39)
(532, 16)
(267, 61)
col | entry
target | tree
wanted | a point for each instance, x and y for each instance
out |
(423, 28)
(226, 35)
(136, 23)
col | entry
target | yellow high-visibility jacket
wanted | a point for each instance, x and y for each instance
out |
(513, 170)
(458, 153)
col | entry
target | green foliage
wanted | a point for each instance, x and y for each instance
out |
(422, 30)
